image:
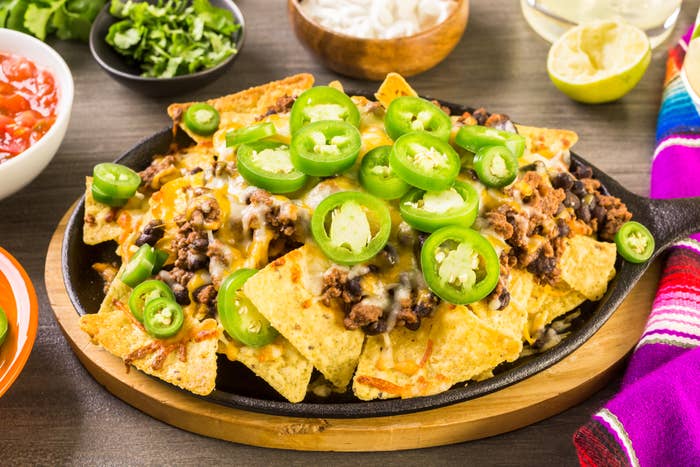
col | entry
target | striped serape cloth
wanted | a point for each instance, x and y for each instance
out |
(655, 418)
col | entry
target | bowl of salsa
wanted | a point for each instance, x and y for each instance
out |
(36, 96)
(18, 319)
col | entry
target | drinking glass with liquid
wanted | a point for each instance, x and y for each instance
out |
(551, 18)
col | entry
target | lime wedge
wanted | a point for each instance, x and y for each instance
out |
(599, 61)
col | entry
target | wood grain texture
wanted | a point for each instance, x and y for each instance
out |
(547, 393)
(58, 414)
(373, 58)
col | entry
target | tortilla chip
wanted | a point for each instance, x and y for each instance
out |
(394, 86)
(465, 346)
(547, 142)
(288, 293)
(454, 346)
(587, 265)
(114, 328)
(547, 303)
(391, 365)
(244, 107)
(281, 366)
(512, 319)
(101, 221)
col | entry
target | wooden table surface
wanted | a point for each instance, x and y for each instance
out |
(57, 414)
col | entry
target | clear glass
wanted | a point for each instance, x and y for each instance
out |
(691, 65)
(551, 18)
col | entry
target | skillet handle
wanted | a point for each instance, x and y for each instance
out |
(670, 220)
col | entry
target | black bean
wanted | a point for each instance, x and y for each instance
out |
(571, 201)
(579, 189)
(152, 232)
(182, 296)
(583, 171)
(584, 213)
(200, 244)
(354, 288)
(599, 214)
(196, 261)
(563, 180)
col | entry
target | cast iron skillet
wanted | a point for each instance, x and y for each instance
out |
(669, 221)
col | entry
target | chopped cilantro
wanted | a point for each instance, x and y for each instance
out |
(172, 38)
(67, 19)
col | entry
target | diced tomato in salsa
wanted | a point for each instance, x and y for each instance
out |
(28, 99)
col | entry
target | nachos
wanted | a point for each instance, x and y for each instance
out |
(387, 246)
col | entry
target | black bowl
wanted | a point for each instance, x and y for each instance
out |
(129, 75)
(238, 387)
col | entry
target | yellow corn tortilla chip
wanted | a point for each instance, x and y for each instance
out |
(547, 142)
(101, 221)
(287, 292)
(513, 318)
(394, 86)
(244, 107)
(281, 366)
(587, 265)
(453, 346)
(116, 331)
(394, 365)
(466, 346)
(547, 303)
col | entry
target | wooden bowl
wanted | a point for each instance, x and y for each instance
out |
(374, 58)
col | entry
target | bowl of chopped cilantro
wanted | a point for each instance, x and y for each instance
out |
(164, 48)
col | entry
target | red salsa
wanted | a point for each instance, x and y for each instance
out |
(28, 99)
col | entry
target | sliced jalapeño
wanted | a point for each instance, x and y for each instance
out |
(459, 265)
(351, 227)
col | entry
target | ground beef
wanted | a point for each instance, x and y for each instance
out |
(206, 295)
(282, 105)
(151, 233)
(337, 286)
(533, 234)
(362, 314)
(498, 221)
(410, 300)
(537, 192)
(206, 213)
(152, 175)
(602, 214)
(285, 219)
(616, 214)
(190, 246)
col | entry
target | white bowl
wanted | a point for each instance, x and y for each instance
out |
(23, 168)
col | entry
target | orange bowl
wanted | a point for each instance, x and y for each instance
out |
(373, 58)
(18, 300)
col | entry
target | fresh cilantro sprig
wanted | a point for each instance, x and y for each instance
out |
(172, 38)
(67, 19)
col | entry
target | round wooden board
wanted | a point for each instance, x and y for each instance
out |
(547, 393)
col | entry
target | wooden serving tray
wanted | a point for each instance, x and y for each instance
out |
(547, 393)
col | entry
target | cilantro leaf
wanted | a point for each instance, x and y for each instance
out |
(68, 19)
(172, 38)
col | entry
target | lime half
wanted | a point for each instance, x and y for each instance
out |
(599, 61)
